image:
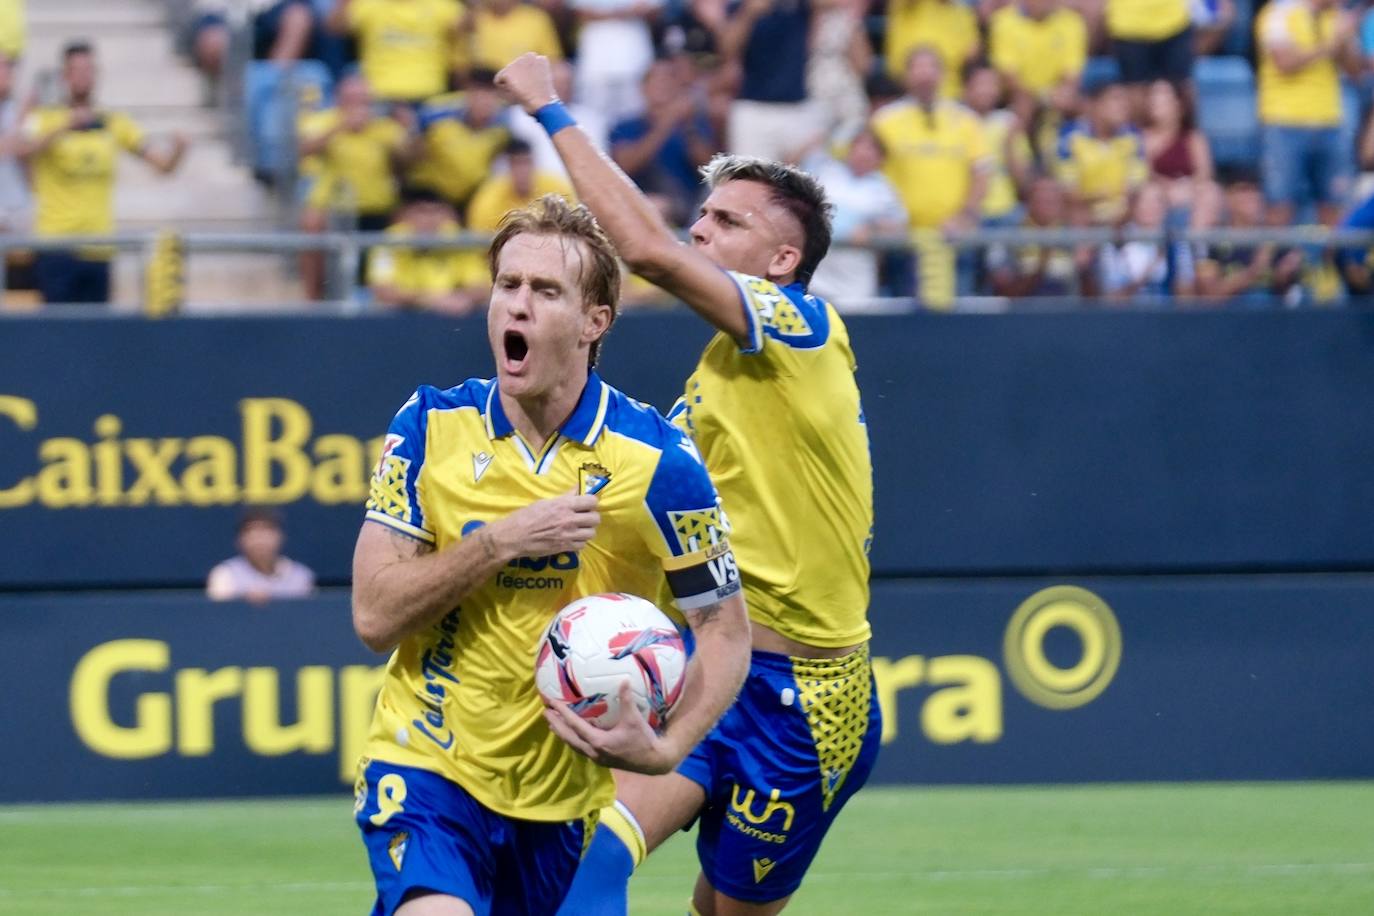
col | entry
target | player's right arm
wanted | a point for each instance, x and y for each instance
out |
(401, 585)
(641, 236)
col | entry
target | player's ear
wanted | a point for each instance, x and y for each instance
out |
(786, 260)
(596, 321)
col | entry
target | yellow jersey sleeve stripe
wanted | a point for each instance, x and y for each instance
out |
(419, 534)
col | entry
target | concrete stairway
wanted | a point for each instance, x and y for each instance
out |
(141, 75)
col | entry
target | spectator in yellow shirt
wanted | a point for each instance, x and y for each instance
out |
(499, 31)
(936, 153)
(449, 281)
(360, 156)
(405, 47)
(520, 186)
(72, 151)
(1009, 156)
(937, 159)
(1301, 45)
(1037, 45)
(462, 133)
(13, 28)
(948, 27)
(1101, 160)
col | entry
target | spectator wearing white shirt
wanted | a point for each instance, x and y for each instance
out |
(1140, 271)
(614, 49)
(259, 573)
(866, 205)
(524, 127)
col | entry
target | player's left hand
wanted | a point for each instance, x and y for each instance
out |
(630, 744)
(528, 82)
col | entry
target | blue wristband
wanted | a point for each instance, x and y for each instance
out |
(553, 117)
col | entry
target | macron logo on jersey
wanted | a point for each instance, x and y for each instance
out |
(480, 462)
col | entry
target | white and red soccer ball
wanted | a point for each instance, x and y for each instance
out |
(600, 641)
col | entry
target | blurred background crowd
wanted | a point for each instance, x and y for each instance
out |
(992, 151)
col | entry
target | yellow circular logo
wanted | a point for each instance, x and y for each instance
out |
(1023, 647)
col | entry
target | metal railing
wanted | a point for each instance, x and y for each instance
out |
(344, 250)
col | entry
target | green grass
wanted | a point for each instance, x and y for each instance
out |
(1116, 850)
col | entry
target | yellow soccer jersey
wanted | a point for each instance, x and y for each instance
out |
(782, 431)
(948, 26)
(1038, 53)
(356, 169)
(459, 699)
(73, 179)
(998, 127)
(405, 48)
(931, 156)
(415, 271)
(1310, 96)
(498, 40)
(456, 157)
(1102, 171)
(497, 197)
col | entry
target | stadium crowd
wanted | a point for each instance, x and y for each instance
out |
(925, 119)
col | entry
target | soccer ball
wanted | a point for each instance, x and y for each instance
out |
(595, 643)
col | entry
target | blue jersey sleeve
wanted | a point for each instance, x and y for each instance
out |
(691, 526)
(394, 499)
(783, 314)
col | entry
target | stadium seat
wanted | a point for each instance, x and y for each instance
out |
(1101, 70)
(1226, 109)
(273, 95)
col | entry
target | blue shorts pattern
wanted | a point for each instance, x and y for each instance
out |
(426, 833)
(800, 740)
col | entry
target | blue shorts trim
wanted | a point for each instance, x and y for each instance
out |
(424, 833)
(799, 741)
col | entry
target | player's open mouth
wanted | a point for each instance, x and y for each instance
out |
(517, 348)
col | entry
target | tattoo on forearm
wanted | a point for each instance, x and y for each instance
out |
(488, 543)
(703, 616)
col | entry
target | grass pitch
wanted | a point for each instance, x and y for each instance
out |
(1279, 848)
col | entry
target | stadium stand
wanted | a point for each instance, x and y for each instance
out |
(141, 75)
(244, 172)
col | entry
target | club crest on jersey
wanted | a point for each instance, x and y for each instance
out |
(396, 849)
(592, 478)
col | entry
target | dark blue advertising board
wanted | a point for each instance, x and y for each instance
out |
(1003, 445)
(147, 695)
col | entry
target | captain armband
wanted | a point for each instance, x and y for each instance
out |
(703, 578)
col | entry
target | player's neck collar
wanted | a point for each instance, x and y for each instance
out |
(584, 424)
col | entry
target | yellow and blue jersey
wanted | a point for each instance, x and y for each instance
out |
(1102, 170)
(783, 433)
(459, 699)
